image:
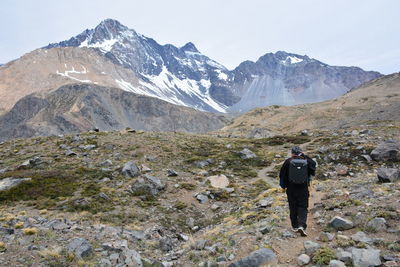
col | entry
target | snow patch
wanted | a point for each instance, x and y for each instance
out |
(222, 76)
(67, 73)
(291, 60)
(105, 46)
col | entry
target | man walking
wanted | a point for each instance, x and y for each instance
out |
(295, 177)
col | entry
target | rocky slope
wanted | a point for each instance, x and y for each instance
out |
(376, 102)
(113, 55)
(81, 107)
(163, 199)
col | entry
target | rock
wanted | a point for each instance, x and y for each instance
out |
(310, 247)
(339, 223)
(215, 207)
(336, 263)
(80, 247)
(145, 169)
(344, 256)
(57, 225)
(183, 237)
(10, 182)
(288, 234)
(259, 257)
(147, 186)
(70, 153)
(265, 230)
(377, 224)
(30, 163)
(202, 198)
(266, 202)
(87, 147)
(325, 237)
(387, 151)
(200, 244)
(247, 154)
(151, 158)
(219, 181)
(171, 173)
(388, 175)
(365, 257)
(130, 170)
(367, 158)
(390, 264)
(361, 237)
(131, 258)
(104, 196)
(303, 259)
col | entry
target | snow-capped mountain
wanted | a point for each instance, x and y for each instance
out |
(186, 77)
(182, 76)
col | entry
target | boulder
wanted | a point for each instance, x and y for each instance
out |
(339, 223)
(303, 259)
(10, 182)
(344, 256)
(336, 263)
(388, 175)
(366, 257)
(377, 224)
(80, 247)
(361, 237)
(219, 181)
(325, 237)
(387, 151)
(147, 185)
(30, 163)
(130, 170)
(261, 257)
(202, 198)
(247, 154)
(310, 247)
(266, 202)
(171, 173)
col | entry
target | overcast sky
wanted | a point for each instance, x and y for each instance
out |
(363, 33)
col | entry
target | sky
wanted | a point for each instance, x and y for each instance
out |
(364, 33)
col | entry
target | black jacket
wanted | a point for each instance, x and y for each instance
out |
(284, 172)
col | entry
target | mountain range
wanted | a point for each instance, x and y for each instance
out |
(113, 55)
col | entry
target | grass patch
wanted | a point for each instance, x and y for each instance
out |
(323, 256)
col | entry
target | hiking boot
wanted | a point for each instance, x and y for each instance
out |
(302, 231)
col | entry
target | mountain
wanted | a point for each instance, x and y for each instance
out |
(376, 103)
(184, 76)
(81, 107)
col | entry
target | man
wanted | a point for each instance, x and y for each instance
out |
(295, 178)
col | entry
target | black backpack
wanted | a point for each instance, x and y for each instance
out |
(298, 171)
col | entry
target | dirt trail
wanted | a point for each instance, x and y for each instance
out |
(288, 249)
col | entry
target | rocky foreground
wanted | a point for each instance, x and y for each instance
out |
(134, 198)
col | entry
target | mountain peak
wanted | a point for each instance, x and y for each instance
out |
(189, 47)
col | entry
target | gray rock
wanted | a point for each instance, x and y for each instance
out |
(361, 237)
(70, 153)
(131, 258)
(257, 258)
(10, 182)
(377, 224)
(130, 170)
(387, 151)
(104, 196)
(200, 244)
(339, 223)
(201, 163)
(104, 263)
(336, 263)
(266, 202)
(171, 173)
(80, 247)
(288, 234)
(366, 257)
(310, 247)
(147, 185)
(30, 163)
(344, 256)
(326, 237)
(388, 175)
(202, 198)
(367, 158)
(247, 154)
(303, 259)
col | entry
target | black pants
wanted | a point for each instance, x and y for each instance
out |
(298, 205)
